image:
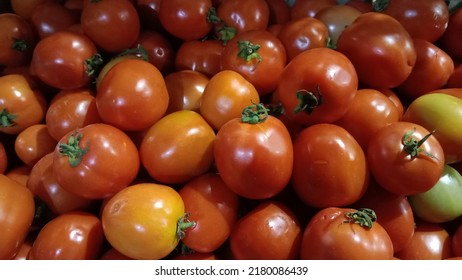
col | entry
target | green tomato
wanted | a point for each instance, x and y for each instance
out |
(443, 202)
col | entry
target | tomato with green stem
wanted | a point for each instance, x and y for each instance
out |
(243, 15)
(17, 41)
(309, 8)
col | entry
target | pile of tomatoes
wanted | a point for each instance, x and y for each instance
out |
(230, 129)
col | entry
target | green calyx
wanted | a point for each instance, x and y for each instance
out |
(412, 146)
(6, 119)
(248, 51)
(139, 51)
(183, 224)
(379, 5)
(253, 114)
(308, 101)
(364, 217)
(72, 149)
(19, 45)
(93, 65)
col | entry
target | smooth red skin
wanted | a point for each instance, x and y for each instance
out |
(386, 55)
(25, 8)
(186, 20)
(303, 34)
(269, 232)
(58, 60)
(19, 174)
(279, 12)
(369, 111)
(159, 48)
(254, 160)
(304, 8)
(431, 71)
(395, 99)
(327, 69)
(110, 165)
(455, 80)
(112, 24)
(328, 237)
(394, 213)
(15, 26)
(148, 11)
(426, 20)
(74, 109)
(394, 169)
(429, 242)
(123, 103)
(201, 56)
(33, 143)
(330, 167)
(3, 159)
(214, 208)
(42, 183)
(244, 15)
(263, 74)
(45, 21)
(360, 5)
(451, 41)
(70, 236)
(456, 242)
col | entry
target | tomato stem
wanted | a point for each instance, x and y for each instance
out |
(212, 16)
(19, 45)
(6, 119)
(248, 51)
(139, 51)
(379, 5)
(183, 224)
(93, 64)
(308, 101)
(365, 217)
(72, 149)
(411, 146)
(253, 114)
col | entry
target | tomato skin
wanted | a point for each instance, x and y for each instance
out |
(309, 8)
(395, 169)
(324, 73)
(329, 236)
(270, 231)
(455, 80)
(279, 12)
(178, 147)
(202, 56)
(25, 8)
(456, 242)
(33, 143)
(17, 208)
(254, 160)
(214, 208)
(159, 49)
(123, 103)
(244, 15)
(148, 11)
(451, 41)
(3, 159)
(129, 230)
(379, 61)
(110, 164)
(19, 174)
(70, 236)
(14, 27)
(330, 167)
(45, 23)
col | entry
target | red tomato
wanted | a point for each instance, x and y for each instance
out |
(3, 159)
(317, 86)
(345, 234)
(25, 8)
(309, 8)
(45, 21)
(243, 15)
(270, 231)
(33, 143)
(202, 56)
(17, 40)
(455, 80)
(95, 161)
(19, 174)
(330, 167)
(405, 158)
(70, 236)
(159, 50)
(456, 242)
(279, 12)
(148, 11)
(214, 208)
(451, 41)
(254, 154)
(132, 95)
(17, 209)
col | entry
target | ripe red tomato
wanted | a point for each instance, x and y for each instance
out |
(456, 242)
(330, 167)
(203, 56)
(25, 8)
(254, 154)
(455, 80)
(405, 158)
(45, 21)
(451, 41)
(309, 8)
(33, 143)
(279, 12)
(317, 86)
(3, 159)
(159, 49)
(70, 236)
(243, 15)
(17, 40)
(148, 11)
(345, 234)
(95, 161)
(270, 231)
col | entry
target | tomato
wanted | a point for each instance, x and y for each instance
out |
(386, 55)
(441, 202)
(17, 40)
(309, 8)
(441, 113)
(268, 232)
(455, 80)
(17, 209)
(132, 95)
(395, 99)
(43, 184)
(186, 20)
(145, 221)
(330, 167)
(345, 234)
(369, 111)
(214, 208)
(258, 55)
(361, 5)
(429, 242)
(148, 12)
(225, 96)
(456, 242)
(243, 15)
(20, 106)
(317, 86)
(279, 12)
(178, 147)
(24, 250)
(254, 154)
(405, 158)
(61, 60)
(202, 56)
(394, 213)
(113, 25)
(19, 174)
(159, 49)
(33, 143)
(451, 41)
(70, 236)
(45, 21)
(3, 159)
(303, 34)
(95, 161)
(25, 8)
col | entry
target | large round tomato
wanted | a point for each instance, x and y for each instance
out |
(45, 21)
(95, 161)
(243, 15)
(330, 167)
(254, 154)
(145, 221)
(317, 86)
(33, 143)
(345, 234)
(159, 50)
(405, 158)
(203, 56)
(17, 40)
